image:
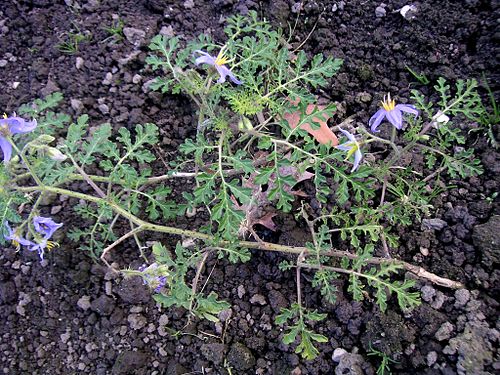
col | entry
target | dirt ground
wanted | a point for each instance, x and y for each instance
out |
(70, 315)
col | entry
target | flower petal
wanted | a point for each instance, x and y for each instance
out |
(376, 119)
(408, 108)
(45, 226)
(357, 159)
(349, 136)
(395, 117)
(345, 146)
(19, 125)
(6, 149)
(205, 60)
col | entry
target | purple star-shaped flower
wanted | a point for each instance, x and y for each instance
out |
(45, 226)
(352, 147)
(10, 126)
(392, 112)
(218, 63)
(151, 278)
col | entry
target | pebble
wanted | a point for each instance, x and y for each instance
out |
(428, 292)
(76, 104)
(380, 11)
(79, 63)
(107, 78)
(337, 354)
(103, 108)
(241, 291)
(189, 4)
(434, 224)
(136, 78)
(258, 299)
(55, 210)
(462, 296)
(167, 31)
(134, 36)
(444, 332)
(431, 358)
(3, 63)
(15, 85)
(65, 337)
(136, 321)
(162, 323)
(84, 303)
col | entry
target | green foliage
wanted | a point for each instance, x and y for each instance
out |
(178, 293)
(295, 318)
(70, 42)
(384, 367)
(95, 236)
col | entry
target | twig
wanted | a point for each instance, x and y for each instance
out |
(118, 241)
(197, 277)
(87, 178)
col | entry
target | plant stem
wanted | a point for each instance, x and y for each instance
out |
(264, 246)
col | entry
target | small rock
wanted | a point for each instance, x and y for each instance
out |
(103, 108)
(431, 358)
(136, 321)
(337, 354)
(189, 4)
(433, 224)
(444, 332)
(77, 105)
(225, 314)
(162, 324)
(136, 78)
(462, 296)
(3, 63)
(55, 210)
(353, 364)
(15, 85)
(134, 36)
(65, 337)
(258, 299)
(241, 291)
(167, 31)
(380, 11)
(428, 293)
(84, 303)
(408, 11)
(79, 63)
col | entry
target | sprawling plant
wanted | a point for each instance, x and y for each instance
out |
(261, 139)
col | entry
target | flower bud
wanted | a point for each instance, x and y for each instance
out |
(55, 154)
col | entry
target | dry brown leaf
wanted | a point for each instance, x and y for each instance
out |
(323, 135)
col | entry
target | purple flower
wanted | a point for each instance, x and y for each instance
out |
(45, 226)
(392, 112)
(10, 126)
(14, 237)
(352, 147)
(152, 277)
(218, 63)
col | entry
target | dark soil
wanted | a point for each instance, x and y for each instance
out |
(69, 315)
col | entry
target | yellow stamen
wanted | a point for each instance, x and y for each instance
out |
(4, 115)
(51, 245)
(16, 244)
(221, 59)
(388, 104)
(354, 148)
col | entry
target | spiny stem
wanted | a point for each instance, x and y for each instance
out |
(265, 246)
